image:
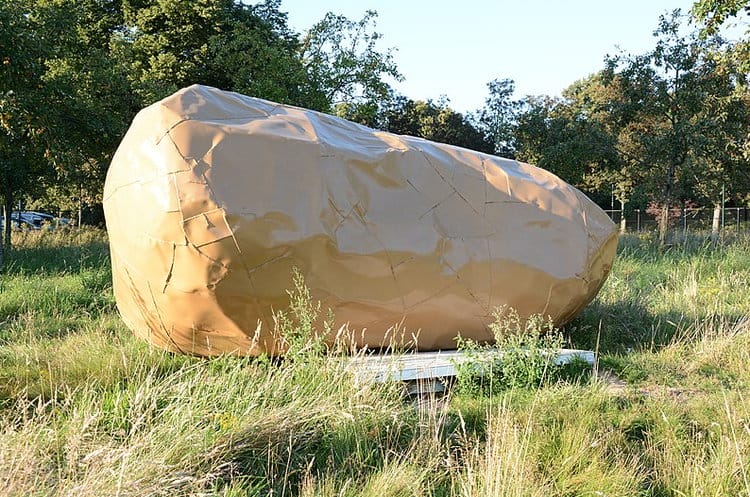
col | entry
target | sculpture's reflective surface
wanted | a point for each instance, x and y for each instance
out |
(213, 198)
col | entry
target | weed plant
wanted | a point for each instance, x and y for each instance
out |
(523, 355)
(87, 410)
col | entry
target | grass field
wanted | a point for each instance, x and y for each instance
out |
(87, 410)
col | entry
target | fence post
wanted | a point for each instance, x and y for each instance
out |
(638, 219)
(738, 219)
(684, 223)
(723, 209)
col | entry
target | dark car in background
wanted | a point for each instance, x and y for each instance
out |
(33, 220)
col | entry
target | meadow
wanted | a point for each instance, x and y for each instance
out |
(88, 410)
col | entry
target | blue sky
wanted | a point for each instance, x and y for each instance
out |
(455, 48)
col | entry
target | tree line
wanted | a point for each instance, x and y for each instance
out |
(662, 127)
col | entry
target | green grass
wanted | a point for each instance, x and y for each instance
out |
(86, 409)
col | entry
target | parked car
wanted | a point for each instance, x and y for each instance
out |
(19, 221)
(33, 220)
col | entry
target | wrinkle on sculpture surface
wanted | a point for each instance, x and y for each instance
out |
(213, 198)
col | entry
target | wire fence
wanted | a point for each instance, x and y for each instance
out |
(687, 219)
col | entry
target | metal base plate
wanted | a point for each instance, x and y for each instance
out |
(425, 366)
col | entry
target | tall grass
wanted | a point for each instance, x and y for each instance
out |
(86, 409)
(652, 295)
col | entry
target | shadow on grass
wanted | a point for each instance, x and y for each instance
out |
(631, 312)
(49, 261)
(615, 328)
(625, 326)
(59, 252)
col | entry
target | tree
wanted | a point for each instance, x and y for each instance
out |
(21, 98)
(170, 44)
(668, 123)
(342, 60)
(89, 99)
(64, 103)
(714, 13)
(572, 136)
(612, 162)
(498, 116)
(733, 58)
(550, 137)
(434, 121)
(663, 110)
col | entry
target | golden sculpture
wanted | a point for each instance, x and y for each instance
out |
(214, 197)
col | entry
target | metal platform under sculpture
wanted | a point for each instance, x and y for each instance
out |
(426, 372)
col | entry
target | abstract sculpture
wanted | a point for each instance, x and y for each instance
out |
(213, 198)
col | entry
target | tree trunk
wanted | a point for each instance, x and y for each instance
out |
(716, 223)
(667, 203)
(623, 221)
(80, 205)
(2, 245)
(7, 211)
(663, 224)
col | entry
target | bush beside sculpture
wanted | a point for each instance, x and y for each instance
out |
(213, 198)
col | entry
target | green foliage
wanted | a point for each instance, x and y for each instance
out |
(498, 116)
(65, 111)
(527, 348)
(434, 121)
(22, 94)
(523, 355)
(342, 60)
(673, 108)
(88, 100)
(714, 13)
(568, 137)
(167, 45)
